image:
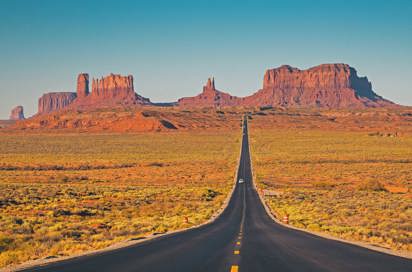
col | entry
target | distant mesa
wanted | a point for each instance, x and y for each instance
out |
(323, 86)
(108, 91)
(327, 86)
(117, 89)
(17, 113)
(210, 97)
(114, 87)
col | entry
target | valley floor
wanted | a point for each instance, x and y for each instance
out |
(62, 194)
(354, 185)
(345, 173)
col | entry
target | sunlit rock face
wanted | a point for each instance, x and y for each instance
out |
(108, 91)
(326, 85)
(210, 97)
(323, 86)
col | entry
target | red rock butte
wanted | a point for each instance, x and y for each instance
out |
(108, 91)
(113, 87)
(323, 86)
(210, 97)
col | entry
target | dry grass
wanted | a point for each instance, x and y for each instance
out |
(352, 185)
(64, 194)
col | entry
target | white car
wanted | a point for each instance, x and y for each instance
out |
(241, 181)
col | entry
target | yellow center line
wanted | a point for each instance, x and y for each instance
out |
(234, 268)
(236, 252)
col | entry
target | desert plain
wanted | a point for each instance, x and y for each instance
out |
(92, 170)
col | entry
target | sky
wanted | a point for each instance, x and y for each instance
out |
(172, 47)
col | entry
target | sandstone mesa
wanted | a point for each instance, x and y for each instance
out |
(325, 86)
(111, 102)
(210, 97)
(111, 90)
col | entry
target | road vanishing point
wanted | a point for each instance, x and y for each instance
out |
(243, 238)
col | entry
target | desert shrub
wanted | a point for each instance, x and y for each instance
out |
(372, 185)
(18, 221)
(5, 243)
(65, 179)
(323, 185)
(62, 213)
(156, 164)
(72, 234)
(85, 213)
(209, 195)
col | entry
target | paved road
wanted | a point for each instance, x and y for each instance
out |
(243, 238)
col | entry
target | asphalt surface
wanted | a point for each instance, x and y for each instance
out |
(244, 238)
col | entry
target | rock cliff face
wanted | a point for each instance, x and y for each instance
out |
(210, 97)
(55, 101)
(327, 85)
(113, 87)
(82, 85)
(108, 91)
(323, 86)
(17, 113)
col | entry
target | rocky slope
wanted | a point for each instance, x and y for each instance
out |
(113, 120)
(17, 113)
(130, 119)
(210, 97)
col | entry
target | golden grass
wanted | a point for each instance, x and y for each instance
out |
(353, 185)
(64, 194)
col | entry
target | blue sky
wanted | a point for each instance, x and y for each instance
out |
(171, 47)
